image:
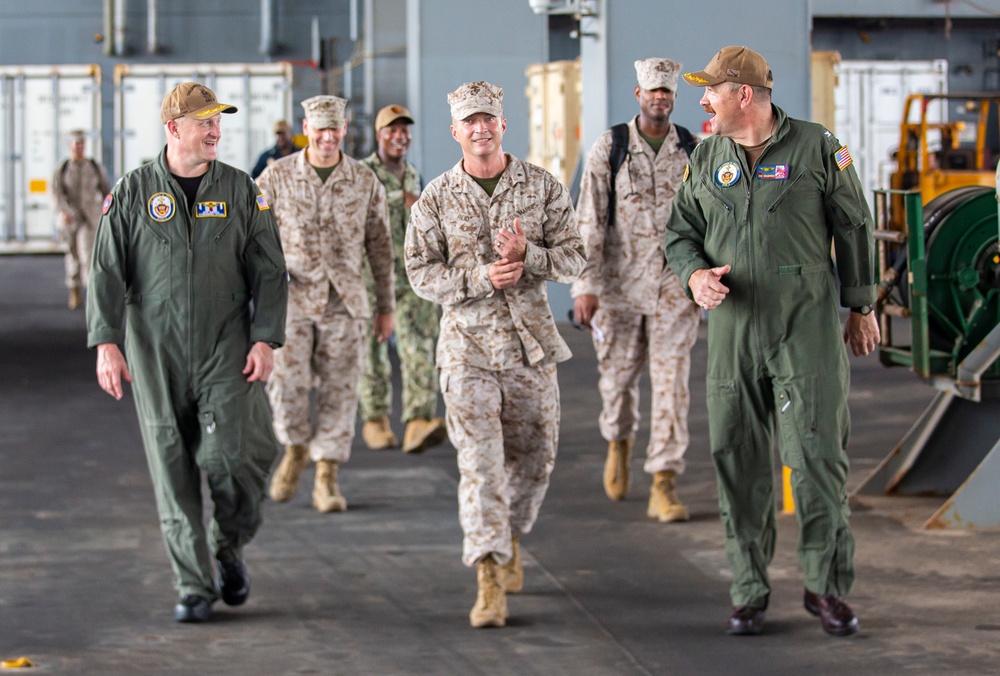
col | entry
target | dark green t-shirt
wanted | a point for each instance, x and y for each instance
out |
(488, 184)
(654, 143)
(324, 172)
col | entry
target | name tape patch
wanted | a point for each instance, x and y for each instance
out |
(210, 210)
(773, 172)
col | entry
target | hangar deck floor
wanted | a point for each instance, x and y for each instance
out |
(85, 585)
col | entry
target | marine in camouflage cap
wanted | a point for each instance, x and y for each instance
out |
(325, 112)
(657, 73)
(476, 97)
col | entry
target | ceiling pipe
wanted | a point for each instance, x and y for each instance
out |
(109, 27)
(267, 43)
(120, 26)
(152, 42)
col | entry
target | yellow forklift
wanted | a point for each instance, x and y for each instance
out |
(939, 251)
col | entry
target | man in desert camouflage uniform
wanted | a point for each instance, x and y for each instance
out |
(331, 212)
(483, 240)
(631, 299)
(416, 319)
(78, 189)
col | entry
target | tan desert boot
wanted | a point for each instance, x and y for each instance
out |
(74, 298)
(512, 572)
(664, 505)
(422, 434)
(285, 482)
(491, 601)
(616, 472)
(326, 493)
(377, 434)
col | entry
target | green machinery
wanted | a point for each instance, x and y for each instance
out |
(941, 275)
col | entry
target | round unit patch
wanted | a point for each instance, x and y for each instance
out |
(727, 173)
(161, 207)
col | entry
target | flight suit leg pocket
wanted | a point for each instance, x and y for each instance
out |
(795, 408)
(219, 446)
(725, 416)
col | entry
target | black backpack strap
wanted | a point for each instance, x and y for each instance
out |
(687, 139)
(619, 153)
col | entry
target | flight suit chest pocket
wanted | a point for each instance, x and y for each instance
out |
(722, 233)
(795, 407)
(796, 194)
(152, 268)
(725, 415)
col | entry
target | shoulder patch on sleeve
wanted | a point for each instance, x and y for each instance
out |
(687, 172)
(106, 207)
(262, 204)
(843, 158)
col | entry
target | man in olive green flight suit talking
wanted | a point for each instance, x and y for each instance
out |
(185, 244)
(750, 236)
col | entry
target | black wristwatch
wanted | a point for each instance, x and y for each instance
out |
(863, 310)
(274, 346)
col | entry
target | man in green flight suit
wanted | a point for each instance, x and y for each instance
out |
(750, 236)
(185, 244)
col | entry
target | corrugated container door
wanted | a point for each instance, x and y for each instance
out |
(261, 92)
(39, 106)
(870, 96)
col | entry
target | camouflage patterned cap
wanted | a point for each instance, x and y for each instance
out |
(476, 97)
(657, 73)
(325, 112)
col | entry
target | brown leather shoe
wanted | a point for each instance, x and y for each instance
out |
(837, 617)
(746, 621)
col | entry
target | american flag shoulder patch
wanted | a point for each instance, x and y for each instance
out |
(843, 158)
(262, 203)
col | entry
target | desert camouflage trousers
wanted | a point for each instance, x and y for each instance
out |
(79, 241)
(505, 426)
(664, 339)
(326, 355)
(417, 325)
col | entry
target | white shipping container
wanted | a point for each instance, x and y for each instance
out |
(870, 97)
(39, 106)
(261, 92)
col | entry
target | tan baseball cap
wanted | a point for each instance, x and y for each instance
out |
(282, 127)
(390, 114)
(741, 65)
(476, 97)
(190, 99)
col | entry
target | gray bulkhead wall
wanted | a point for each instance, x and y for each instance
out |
(779, 30)
(450, 43)
(188, 31)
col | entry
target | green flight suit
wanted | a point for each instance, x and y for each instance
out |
(174, 283)
(775, 348)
